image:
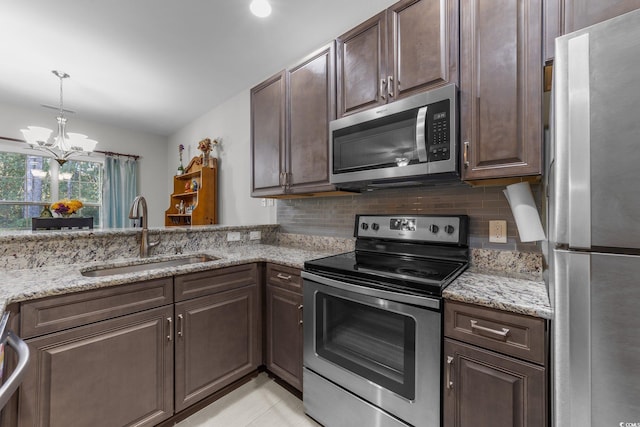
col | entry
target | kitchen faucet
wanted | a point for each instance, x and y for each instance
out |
(134, 213)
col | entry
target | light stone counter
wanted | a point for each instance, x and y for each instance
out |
(514, 294)
(28, 284)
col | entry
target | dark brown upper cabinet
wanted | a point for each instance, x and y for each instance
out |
(290, 114)
(409, 48)
(501, 88)
(566, 16)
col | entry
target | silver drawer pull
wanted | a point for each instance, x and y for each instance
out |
(283, 276)
(502, 335)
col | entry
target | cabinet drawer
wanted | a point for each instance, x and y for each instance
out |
(202, 283)
(61, 312)
(284, 277)
(508, 333)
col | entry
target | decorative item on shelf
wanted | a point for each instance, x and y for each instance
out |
(187, 186)
(64, 144)
(206, 145)
(46, 213)
(180, 168)
(194, 185)
(66, 207)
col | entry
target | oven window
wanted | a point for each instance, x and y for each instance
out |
(373, 343)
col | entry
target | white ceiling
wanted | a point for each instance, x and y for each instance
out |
(155, 65)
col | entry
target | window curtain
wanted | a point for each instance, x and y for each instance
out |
(120, 186)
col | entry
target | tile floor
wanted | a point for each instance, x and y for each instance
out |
(259, 403)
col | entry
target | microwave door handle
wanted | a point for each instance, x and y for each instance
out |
(421, 134)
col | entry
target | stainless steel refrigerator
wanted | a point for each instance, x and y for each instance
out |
(593, 189)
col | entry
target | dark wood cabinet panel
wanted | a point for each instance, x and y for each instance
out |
(310, 106)
(579, 14)
(208, 282)
(267, 136)
(288, 278)
(361, 66)
(117, 372)
(501, 88)
(566, 16)
(67, 311)
(290, 116)
(486, 389)
(408, 48)
(284, 334)
(423, 46)
(217, 342)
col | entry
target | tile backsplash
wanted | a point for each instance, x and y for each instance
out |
(334, 216)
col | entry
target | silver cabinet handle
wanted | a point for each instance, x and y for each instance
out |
(390, 86)
(502, 335)
(300, 314)
(169, 333)
(466, 154)
(382, 83)
(283, 276)
(180, 322)
(12, 383)
(449, 368)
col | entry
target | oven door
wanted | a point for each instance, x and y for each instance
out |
(385, 352)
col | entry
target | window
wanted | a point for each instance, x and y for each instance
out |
(29, 182)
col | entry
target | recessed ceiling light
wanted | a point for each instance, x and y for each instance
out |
(260, 8)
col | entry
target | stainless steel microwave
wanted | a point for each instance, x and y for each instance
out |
(407, 142)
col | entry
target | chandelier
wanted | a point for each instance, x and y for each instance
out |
(64, 144)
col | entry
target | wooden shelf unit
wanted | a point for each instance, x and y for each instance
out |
(204, 199)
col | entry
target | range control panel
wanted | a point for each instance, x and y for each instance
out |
(423, 228)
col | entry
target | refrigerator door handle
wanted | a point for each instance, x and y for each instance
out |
(579, 143)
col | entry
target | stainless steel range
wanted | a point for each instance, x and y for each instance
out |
(373, 322)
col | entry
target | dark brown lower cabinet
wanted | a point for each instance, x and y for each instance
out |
(217, 342)
(284, 334)
(116, 372)
(284, 323)
(483, 388)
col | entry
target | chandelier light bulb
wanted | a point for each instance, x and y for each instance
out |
(260, 8)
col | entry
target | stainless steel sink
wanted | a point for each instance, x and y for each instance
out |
(143, 266)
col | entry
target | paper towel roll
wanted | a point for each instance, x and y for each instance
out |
(525, 212)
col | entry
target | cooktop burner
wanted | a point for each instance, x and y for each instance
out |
(420, 254)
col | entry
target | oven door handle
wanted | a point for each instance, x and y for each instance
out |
(419, 300)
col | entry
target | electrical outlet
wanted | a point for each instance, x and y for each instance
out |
(498, 231)
(270, 202)
(255, 235)
(233, 236)
(263, 202)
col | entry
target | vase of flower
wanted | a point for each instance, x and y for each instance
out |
(180, 170)
(65, 207)
(206, 145)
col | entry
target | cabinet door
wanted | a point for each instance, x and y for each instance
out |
(501, 88)
(284, 335)
(582, 13)
(267, 136)
(217, 342)
(423, 46)
(485, 389)
(310, 107)
(117, 372)
(361, 65)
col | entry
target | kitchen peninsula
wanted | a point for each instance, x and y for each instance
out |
(43, 271)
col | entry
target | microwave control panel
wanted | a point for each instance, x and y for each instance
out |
(439, 131)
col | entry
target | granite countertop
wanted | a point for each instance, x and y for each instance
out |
(28, 284)
(496, 290)
(501, 291)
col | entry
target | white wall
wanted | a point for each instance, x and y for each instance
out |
(152, 149)
(231, 122)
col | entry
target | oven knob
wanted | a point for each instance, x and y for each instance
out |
(434, 228)
(364, 226)
(375, 226)
(449, 229)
